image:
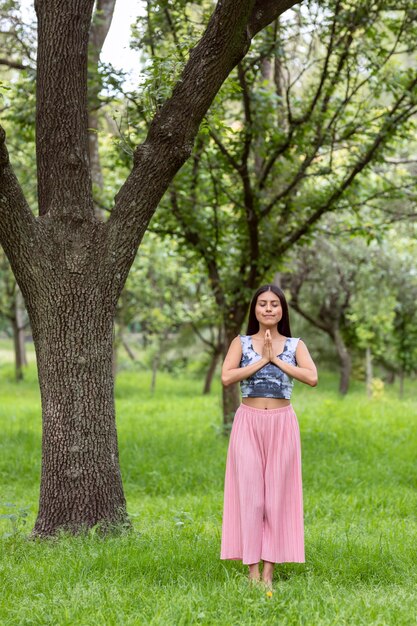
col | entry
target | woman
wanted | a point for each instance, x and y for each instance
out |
(263, 504)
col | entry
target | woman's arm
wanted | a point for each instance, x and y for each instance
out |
(305, 371)
(231, 372)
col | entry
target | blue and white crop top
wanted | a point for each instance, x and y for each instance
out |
(269, 381)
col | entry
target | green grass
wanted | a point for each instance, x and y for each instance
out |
(360, 498)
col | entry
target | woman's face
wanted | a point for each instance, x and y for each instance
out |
(268, 309)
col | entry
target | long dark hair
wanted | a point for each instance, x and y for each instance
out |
(283, 324)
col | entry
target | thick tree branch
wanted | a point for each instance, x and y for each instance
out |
(310, 319)
(16, 65)
(265, 12)
(17, 223)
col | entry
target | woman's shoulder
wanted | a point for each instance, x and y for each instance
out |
(240, 340)
(292, 343)
(245, 342)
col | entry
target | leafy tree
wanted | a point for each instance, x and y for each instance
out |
(383, 312)
(303, 127)
(360, 294)
(71, 267)
(321, 281)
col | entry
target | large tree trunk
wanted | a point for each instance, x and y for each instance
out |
(80, 483)
(345, 362)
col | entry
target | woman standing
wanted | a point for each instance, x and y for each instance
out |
(263, 503)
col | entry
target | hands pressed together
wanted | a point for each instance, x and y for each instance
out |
(267, 350)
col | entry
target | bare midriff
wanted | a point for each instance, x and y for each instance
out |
(266, 403)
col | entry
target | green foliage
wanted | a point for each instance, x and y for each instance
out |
(162, 299)
(365, 290)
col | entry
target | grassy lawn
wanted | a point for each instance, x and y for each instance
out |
(360, 498)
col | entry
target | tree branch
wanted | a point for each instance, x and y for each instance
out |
(17, 223)
(391, 121)
(224, 151)
(266, 11)
(16, 65)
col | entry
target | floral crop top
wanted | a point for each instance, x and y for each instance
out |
(269, 381)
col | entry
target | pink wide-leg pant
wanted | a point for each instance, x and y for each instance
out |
(263, 500)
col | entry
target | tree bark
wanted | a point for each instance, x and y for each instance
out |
(72, 322)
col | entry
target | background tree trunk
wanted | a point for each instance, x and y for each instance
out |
(368, 371)
(401, 392)
(21, 325)
(211, 369)
(102, 20)
(18, 327)
(231, 394)
(345, 362)
(18, 353)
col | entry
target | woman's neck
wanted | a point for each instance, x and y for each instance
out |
(274, 331)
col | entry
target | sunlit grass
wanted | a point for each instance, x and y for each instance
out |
(360, 498)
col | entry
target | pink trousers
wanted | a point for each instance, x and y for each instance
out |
(263, 500)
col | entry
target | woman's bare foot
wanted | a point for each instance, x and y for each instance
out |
(254, 574)
(267, 574)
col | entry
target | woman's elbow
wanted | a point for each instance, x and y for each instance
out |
(225, 379)
(314, 379)
(228, 378)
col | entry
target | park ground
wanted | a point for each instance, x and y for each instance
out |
(360, 499)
